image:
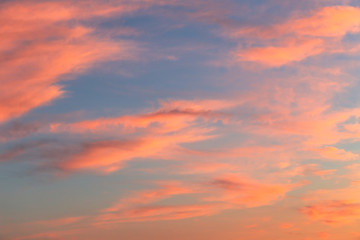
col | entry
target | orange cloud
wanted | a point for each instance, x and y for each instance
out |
(158, 213)
(227, 192)
(315, 34)
(303, 117)
(334, 206)
(60, 221)
(353, 128)
(276, 56)
(109, 156)
(41, 44)
(166, 190)
(334, 153)
(172, 115)
(305, 170)
(245, 193)
(204, 168)
(156, 134)
(330, 21)
(337, 212)
(140, 207)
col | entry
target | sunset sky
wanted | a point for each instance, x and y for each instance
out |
(179, 120)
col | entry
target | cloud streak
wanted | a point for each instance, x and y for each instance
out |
(43, 42)
(299, 38)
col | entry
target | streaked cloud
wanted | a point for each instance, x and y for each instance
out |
(300, 37)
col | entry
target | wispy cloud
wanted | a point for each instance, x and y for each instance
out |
(44, 41)
(299, 37)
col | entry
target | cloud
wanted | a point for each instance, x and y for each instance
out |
(106, 144)
(172, 115)
(205, 167)
(334, 153)
(333, 212)
(19, 129)
(159, 213)
(141, 206)
(336, 206)
(27, 148)
(226, 192)
(331, 21)
(109, 156)
(353, 128)
(60, 221)
(269, 131)
(166, 190)
(156, 134)
(305, 170)
(276, 56)
(298, 38)
(245, 193)
(299, 114)
(42, 43)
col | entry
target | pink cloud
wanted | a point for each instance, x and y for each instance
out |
(172, 115)
(305, 170)
(332, 21)
(141, 207)
(245, 193)
(334, 153)
(353, 128)
(204, 167)
(333, 212)
(60, 221)
(337, 206)
(303, 121)
(42, 40)
(226, 192)
(276, 56)
(166, 190)
(315, 34)
(158, 213)
(109, 156)
(156, 134)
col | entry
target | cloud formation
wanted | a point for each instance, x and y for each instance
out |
(299, 37)
(43, 42)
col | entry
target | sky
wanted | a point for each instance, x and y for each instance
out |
(179, 119)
